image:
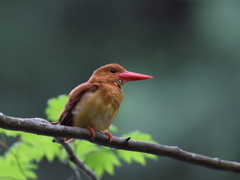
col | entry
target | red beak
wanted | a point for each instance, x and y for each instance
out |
(131, 76)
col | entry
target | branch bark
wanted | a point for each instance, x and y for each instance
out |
(72, 157)
(41, 127)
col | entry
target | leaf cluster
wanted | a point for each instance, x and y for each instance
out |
(24, 154)
(28, 150)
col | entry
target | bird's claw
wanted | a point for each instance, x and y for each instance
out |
(92, 131)
(110, 136)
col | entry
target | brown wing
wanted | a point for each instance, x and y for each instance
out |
(75, 96)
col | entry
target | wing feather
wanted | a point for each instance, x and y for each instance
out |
(75, 97)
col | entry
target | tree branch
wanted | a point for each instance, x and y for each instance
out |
(73, 158)
(42, 127)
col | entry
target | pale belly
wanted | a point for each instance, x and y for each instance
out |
(97, 112)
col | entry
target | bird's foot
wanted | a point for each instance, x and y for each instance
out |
(92, 131)
(110, 136)
(55, 123)
(68, 140)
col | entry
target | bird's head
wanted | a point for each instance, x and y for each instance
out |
(114, 73)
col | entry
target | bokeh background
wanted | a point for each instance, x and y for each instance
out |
(191, 48)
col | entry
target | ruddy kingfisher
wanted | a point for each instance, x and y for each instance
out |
(95, 104)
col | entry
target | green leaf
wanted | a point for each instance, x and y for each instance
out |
(31, 174)
(130, 156)
(7, 167)
(55, 107)
(42, 146)
(103, 160)
(113, 128)
(12, 161)
(83, 148)
(17, 158)
(37, 145)
(10, 132)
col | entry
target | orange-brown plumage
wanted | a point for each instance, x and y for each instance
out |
(95, 104)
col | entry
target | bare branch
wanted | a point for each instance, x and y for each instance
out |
(39, 126)
(77, 174)
(73, 158)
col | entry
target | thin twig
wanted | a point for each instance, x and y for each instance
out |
(71, 177)
(73, 158)
(4, 140)
(19, 165)
(3, 143)
(77, 173)
(43, 127)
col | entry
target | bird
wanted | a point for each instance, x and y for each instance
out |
(95, 103)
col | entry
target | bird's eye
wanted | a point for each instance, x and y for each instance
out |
(113, 70)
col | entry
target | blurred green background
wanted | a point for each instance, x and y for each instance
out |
(191, 48)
